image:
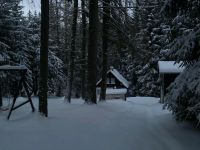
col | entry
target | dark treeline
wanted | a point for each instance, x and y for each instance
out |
(87, 37)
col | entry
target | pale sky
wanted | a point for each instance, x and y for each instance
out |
(32, 5)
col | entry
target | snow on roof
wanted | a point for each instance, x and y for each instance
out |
(170, 67)
(118, 76)
(9, 67)
(116, 91)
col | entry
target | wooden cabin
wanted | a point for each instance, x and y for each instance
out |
(168, 71)
(117, 85)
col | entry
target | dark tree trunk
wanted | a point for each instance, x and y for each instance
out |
(57, 23)
(66, 32)
(83, 49)
(66, 37)
(106, 19)
(35, 84)
(92, 51)
(43, 87)
(1, 103)
(72, 52)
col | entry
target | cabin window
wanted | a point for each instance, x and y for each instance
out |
(112, 80)
(108, 81)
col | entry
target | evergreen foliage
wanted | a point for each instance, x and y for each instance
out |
(148, 44)
(140, 34)
(182, 98)
(20, 42)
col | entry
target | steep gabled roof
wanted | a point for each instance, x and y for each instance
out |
(119, 77)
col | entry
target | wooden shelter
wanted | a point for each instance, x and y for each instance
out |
(168, 71)
(117, 85)
(21, 83)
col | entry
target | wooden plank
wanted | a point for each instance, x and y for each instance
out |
(12, 68)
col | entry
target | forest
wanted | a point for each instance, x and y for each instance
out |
(70, 44)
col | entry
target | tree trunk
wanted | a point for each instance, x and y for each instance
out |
(57, 24)
(43, 87)
(83, 49)
(66, 32)
(66, 38)
(35, 83)
(92, 51)
(1, 103)
(106, 19)
(72, 52)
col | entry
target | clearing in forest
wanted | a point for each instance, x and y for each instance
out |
(136, 124)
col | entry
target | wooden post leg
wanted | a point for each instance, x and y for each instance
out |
(29, 96)
(11, 109)
(21, 83)
(19, 87)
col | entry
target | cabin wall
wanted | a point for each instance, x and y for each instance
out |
(165, 81)
(162, 88)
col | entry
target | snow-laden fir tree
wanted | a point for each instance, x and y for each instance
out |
(183, 96)
(20, 42)
(3, 46)
(56, 43)
(147, 47)
(14, 34)
(56, 74)
(33, 24)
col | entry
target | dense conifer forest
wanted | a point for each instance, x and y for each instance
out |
(68, 45)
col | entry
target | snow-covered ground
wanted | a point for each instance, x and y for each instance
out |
(135, 124)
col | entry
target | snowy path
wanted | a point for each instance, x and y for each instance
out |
(138, 124)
